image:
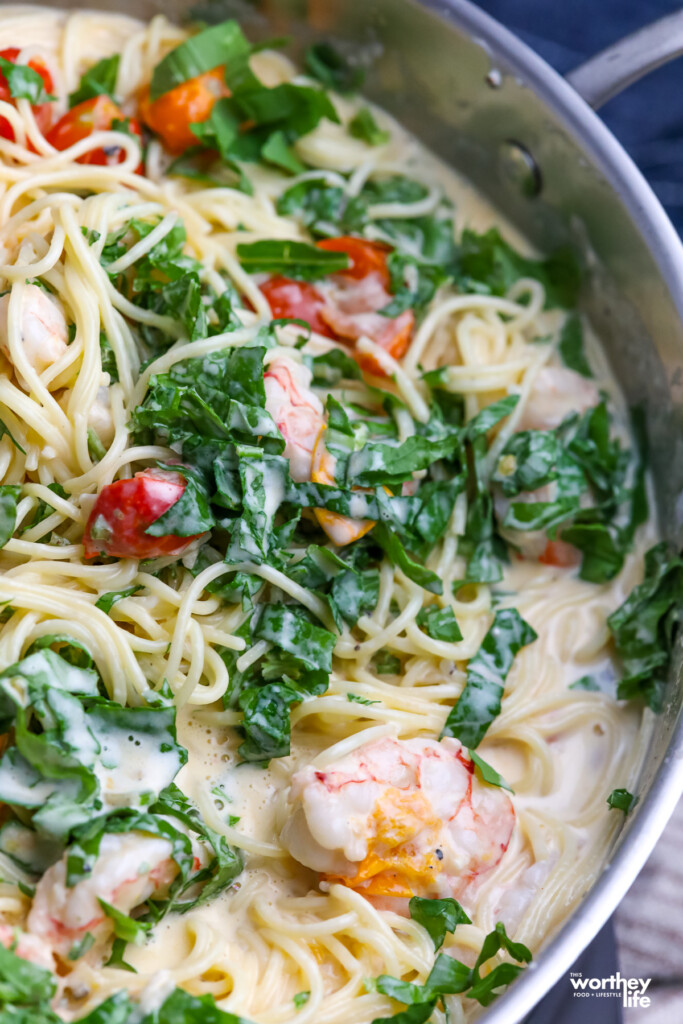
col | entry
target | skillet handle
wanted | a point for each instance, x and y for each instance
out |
(614, 69)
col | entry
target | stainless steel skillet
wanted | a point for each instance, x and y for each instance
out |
(530, 140)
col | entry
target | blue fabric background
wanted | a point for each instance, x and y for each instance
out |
(648, 117)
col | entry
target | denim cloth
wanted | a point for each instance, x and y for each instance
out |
(648, 117)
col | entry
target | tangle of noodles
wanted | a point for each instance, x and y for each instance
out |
(278, 931)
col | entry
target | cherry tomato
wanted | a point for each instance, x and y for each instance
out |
(296, 299)
(123, 511)
(41, 111)
(171, 115)
(394, 339)
(561, 554)
(94, 115)
(366, 257)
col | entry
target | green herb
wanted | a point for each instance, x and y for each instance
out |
(96, 449)
(107, 601)
(9, 496)
(644, 627)
(487, 773)
(363, 126)
(301, 998)
(109, 364)
(125, 927)
(439, 623)
(386, 664)
(588, 683)
(4, 429)
(294, 259)
(572, 348)
(622, 800)
(331, 68)
(208, 49)
(99, 80)
(81, 947)
(24, 83)
(437, 917)
(480, 701)
(450, 977)
(355, 698)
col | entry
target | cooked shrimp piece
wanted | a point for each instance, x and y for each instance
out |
(556, 392)
(297, 411)
(130, 867)
(399, 818)
(28, 947)
(298, 414)
(44, 332)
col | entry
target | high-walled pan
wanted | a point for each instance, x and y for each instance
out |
(492, 108)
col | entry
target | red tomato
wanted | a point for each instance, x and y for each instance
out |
(296, 299)
(123, 511)
(41, 111)
(171, 115)
(561, 554)
(96, 114)
(366, 257)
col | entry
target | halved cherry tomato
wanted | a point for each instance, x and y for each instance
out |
(366, 257)
(123, 511)
(561, 554)
(41, 111)
(171, 115)
(298, 300)
(95, 115)
(361, 291)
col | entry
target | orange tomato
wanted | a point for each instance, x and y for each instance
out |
(171, 115)
(366, 257)
(96, 114)
(561, 554)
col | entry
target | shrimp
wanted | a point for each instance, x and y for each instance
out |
(297, 411)
(298, 414)
(556, 392)
(399, 818)
(28, 947)
(44, 331)
(130, 867)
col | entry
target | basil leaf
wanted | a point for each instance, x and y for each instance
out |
(288, 627)
(301, 998)
(488, 263)
(417, 1014)
(99, 80)
(107, 601)
(528, 461)
(331, 68)
(571, 346)
(24, 83)
(386, 664)
(364, 127)
(293, 259)
(266, 721)
(439, 623)
(4, 429)
(125, 927)
(188, 516)
(398, 555)
(622, 800)
(9, 496)
(355, 593)
(644, 627)
(23, 983)
(210, 48)
(480, 701)
(488, 773)
(386, 465)
(437, 917)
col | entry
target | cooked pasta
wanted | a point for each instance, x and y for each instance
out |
(302, 459)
